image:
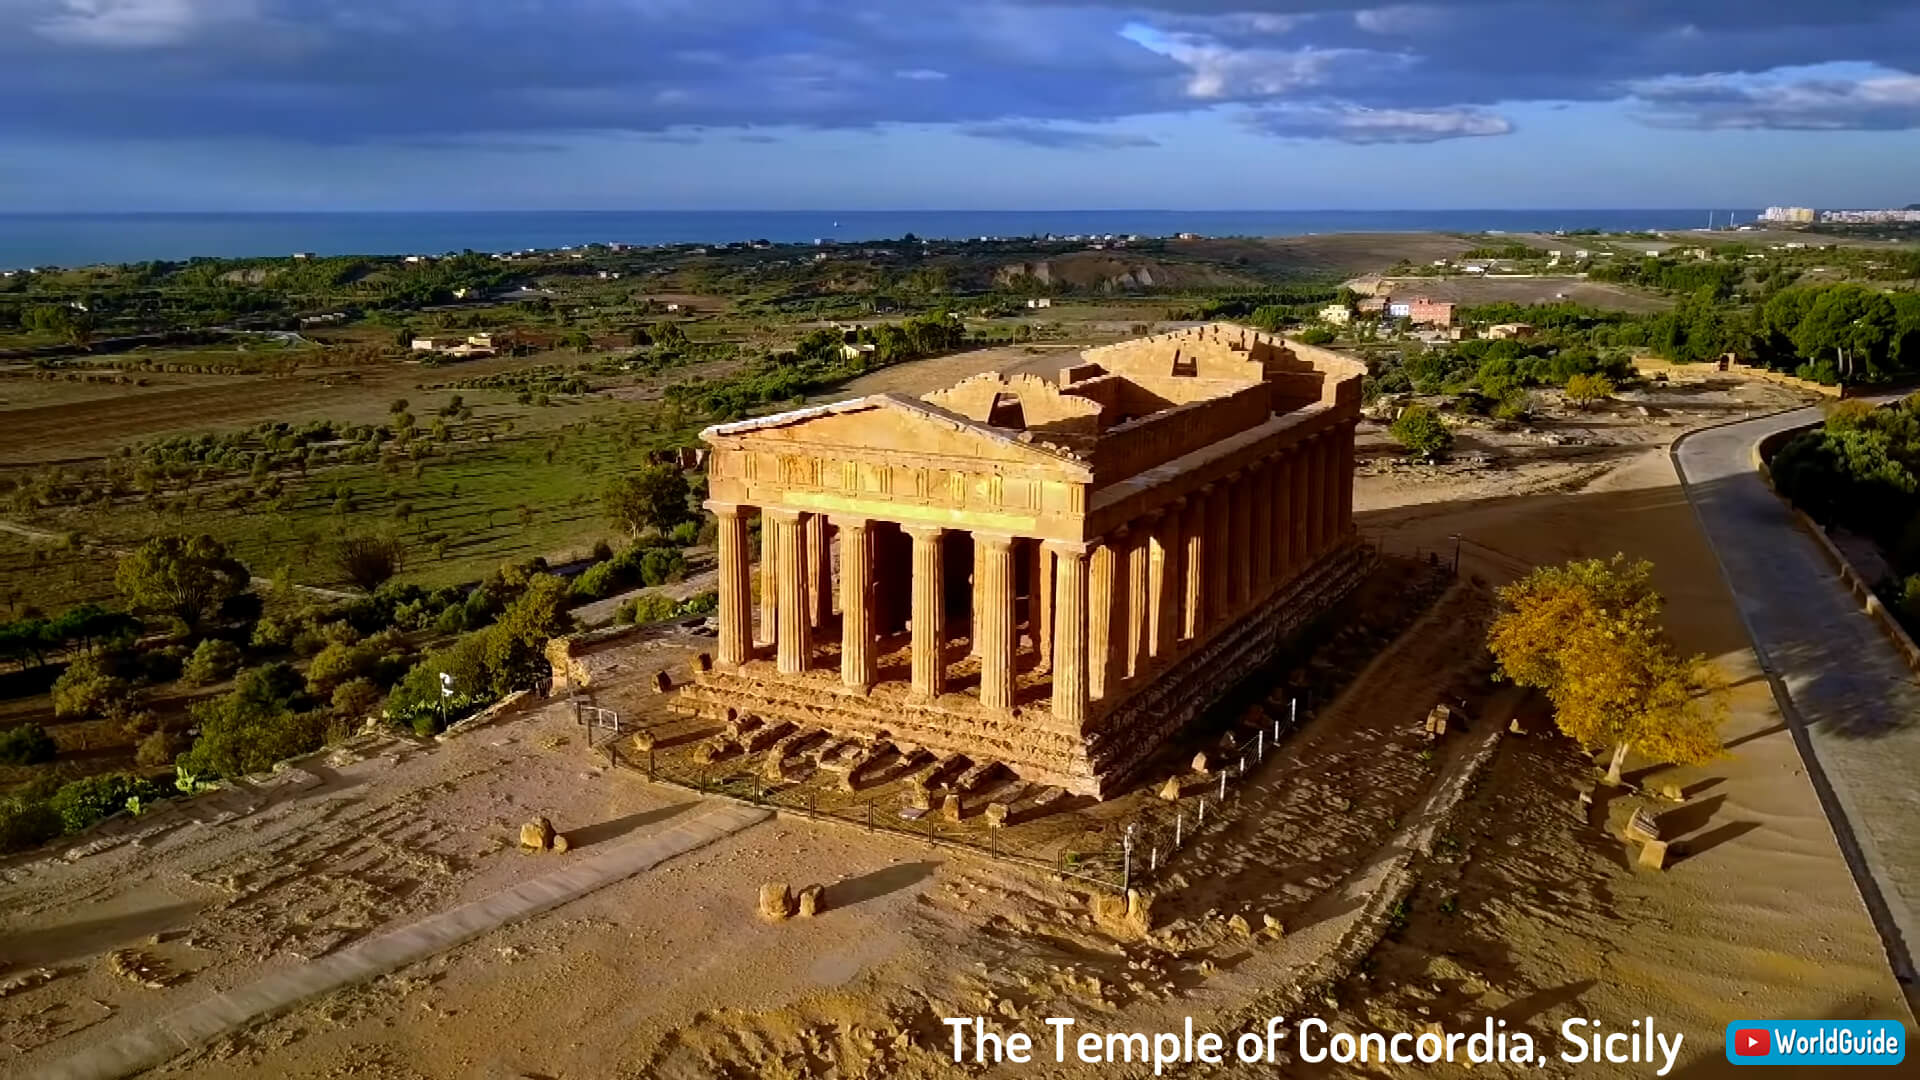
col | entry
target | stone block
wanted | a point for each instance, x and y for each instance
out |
(813, 900)
(1202, 763)
(951, 807)
(776, 902)
(536, 835)
(1653, 854)
(662, 682)
(561, 845)
(1170, 791)
(997, 814)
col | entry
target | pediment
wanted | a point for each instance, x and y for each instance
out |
(890, 426)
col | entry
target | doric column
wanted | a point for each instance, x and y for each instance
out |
(736, 596)
(1260, 533)
(993, 622)
(1106, 598)
(1070, 619)
(973, 609)
(1193, 568)
(1282, 517)
(929, 618)
(794, 643)
(856, 602)
(769, 583)
(1344, 519)
(1219, 565)
(1139, 612)
(1300, 507)
(819, 556)
(1317, 497)
(1040, 605)
(1164, 581)
(1240, 542)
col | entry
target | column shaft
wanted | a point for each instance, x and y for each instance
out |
(929, 620)
(1240, 544)
(1283, 517)
(993, 623)
(1165, 583)
(1105, 585)
(769, 582)
(1139, 613)
(1040, 604)
(736, 583)
(1317, 497)
(819, 557)
(1218, 565)
(1070, 619)
(1301, 466)
(1345, 517)
(856, 604)
(1193, 569)
(1260, 533)
(794, 644)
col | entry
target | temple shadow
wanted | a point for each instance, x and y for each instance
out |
(879, 883)
(601, 832)
(1705, 842)
(70, 941)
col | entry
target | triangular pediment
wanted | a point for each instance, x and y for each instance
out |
(890, 426)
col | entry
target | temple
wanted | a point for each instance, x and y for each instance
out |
(1054, 575)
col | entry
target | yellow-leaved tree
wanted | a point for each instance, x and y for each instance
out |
(1588, 635)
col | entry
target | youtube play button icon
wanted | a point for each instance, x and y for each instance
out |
(1752, 1042)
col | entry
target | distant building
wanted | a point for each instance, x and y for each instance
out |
(856, 350)
(1041, 302)
(427, 344)
(1791, 215)
(1871, 217)
(1503, 331)
(1371, 305)
(1336, 314)
(303, 254)
(1421, 311)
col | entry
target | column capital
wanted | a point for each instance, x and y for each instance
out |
(849, 521)
(725, 509)
(922, 530)
(994, 539)
(1072, 549)
(782, 513)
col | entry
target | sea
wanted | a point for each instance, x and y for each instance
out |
(86, 239)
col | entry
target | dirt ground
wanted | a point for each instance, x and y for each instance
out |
(1525, 908)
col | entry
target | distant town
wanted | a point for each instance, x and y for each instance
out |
(1807, 215)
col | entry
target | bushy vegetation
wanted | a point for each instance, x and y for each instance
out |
(1861, 470)
(1420, 429)
(819, 360)
(485, 664)
(26, 744)
(657, 607)
(48, 809)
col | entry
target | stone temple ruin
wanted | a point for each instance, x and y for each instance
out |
(1052, 576)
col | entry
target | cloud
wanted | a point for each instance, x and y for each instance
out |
(1357, 124)
(338, 71)
(1056, 138)
(1880, 102)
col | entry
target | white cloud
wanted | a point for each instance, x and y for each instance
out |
(1221, 72)
(1355, 124)
(1806, 101)
(134, 24)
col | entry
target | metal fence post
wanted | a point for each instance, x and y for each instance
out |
(1223, 787)
(1126, 860)
(1260, 744)
(1178, 820)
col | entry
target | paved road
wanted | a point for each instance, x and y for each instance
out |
(1853, 703)
(243, 1006)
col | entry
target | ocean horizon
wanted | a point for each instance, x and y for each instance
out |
(87, 239)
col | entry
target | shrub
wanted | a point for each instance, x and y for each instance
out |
(661, 565)
(1421, 431)
(157, 749)
(215, 660)
(1584, 390)
(26, 823)
(89, 688)
(28, 744)
(355, 698)
(254, 725)
(82, 802)
(336, 664)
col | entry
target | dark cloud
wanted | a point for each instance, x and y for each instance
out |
(1057, 138)
(330, 71)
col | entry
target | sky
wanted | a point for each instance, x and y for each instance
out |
(956, 104)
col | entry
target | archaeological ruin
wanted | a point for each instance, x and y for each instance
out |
(1052, 575)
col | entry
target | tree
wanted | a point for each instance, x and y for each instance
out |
(1587, 633)
(369, 561)
(215, 660)
(1420, 429)
(253, 726)
(187, 579)
(651, 497)
(1584, 390)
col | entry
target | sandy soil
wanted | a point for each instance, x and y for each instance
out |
(1526, 909)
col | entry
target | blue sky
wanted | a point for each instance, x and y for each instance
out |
(790, 104)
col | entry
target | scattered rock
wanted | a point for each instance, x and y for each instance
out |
(536, 835)
(26, 980)
(662, 682)
(137, 967)
(561, 845)
(1238, 924)
(1202, 763)
(812, 900)
(1514, 728)
(1170, 791)
(1273, 924)
(1669, 790)
(950, 807)
(776, 902)
(997, 814)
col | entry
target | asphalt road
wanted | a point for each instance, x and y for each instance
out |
(1852, 701)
